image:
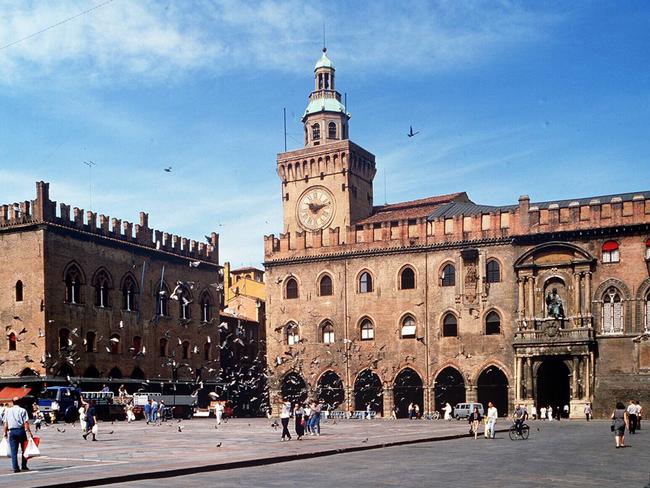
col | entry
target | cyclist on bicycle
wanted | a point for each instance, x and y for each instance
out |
(519, 417)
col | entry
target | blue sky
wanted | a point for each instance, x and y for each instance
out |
(550, 99)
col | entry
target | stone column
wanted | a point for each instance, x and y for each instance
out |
(587, 377)
(576, 299)
(530, 309)
(588, 293)
(471, 394)
(518, 378)
(520, 311)
(388, 402)
(349, 398)
(529, 378)
(574, 380)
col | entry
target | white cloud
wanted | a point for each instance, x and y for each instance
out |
(130, 40)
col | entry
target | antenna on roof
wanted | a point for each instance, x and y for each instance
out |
(90, 165)
(284, 113)
(324, 44)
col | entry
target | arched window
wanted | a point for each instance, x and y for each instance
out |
(365, 282)
(115, 346)
(610, 252)
(612, 312)
(448, 275)
(291, 288)
(327, 333)
(492, 324)
(493, 271)
(325, 286)
(64, 339)
(185, 350)
(162, 300)
(206, 303)
(73, 285)
(331, 130)
(137, 345)
(407, 279)
(450, 326)
(101, 283)
(408, 327)
(293, 333)
(162, 347)
(315, 132)
(129, 294)
(207, 351)
(91, 338)
(13, 340)
(19, 291)
(367, 330)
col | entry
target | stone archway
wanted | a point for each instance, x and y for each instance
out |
(368, 390)
(294, 388)
(492, 386)
(408, 388)
(553, 384)
(330, 390)
(449, 387)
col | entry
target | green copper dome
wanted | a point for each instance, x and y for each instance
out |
(324, 105)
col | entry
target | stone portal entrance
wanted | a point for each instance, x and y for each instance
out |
(408, 389)
(553, 384)
(492, 386)
(449, 387)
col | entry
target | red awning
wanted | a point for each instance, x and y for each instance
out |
(610, 246)
(647, 243)
(8, 393)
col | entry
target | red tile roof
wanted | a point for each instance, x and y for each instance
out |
(412, 209)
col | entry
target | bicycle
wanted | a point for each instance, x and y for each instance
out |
(522, 433)
(435, 415)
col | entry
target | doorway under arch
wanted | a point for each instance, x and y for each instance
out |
(115, 373)
(492, 386)
(408, 388)
(449, 388)
(330, 390)
(553, 384)
(368, 390)
(294, 388)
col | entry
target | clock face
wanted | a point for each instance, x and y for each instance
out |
(316, 208)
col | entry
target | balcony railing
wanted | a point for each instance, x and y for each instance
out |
(548, 330)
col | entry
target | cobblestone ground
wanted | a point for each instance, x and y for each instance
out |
(566, 454)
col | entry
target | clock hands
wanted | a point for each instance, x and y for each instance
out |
(315, 207)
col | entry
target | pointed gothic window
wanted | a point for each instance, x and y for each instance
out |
(408, 327)
(185, 350)
(450, 326)
(610, 252)
(129, 294)
(101, 283)
(315, 132)
(205, 307)
(90, 341)
(365, 282)
(325, 286)
(448, 276)
(367, 330)
(162, 347)
(293, 333)
(612, 312)
(327, 333)
(73, 285)
(291, 290)
(492, 324)
(493, 271)
(407, 279)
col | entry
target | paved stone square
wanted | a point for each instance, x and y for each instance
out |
(568, 454)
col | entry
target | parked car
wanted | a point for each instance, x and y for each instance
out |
(463, 410)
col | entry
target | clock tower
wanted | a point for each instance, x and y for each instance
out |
(328, 183)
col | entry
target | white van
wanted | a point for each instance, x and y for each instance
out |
(463, 410)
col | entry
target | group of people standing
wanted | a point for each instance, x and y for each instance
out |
(307, 419)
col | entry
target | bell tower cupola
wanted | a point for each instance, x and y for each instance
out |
(325, 118)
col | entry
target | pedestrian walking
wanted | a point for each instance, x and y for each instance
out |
(91, 421)
(448, 411)
(16, 429)
(130, 416)
(587, 411)
(147, 410)
(285, 415)
(411, 411)
(218, 412)
(82, 417)
(154, 411)
(542, 413)
(474, 420)
(566, 411)
(393, 413)
(316, 410)
(533, 412)
(639, 414)
(368, 414)
(416, 409)
(631, 415)
(492, 415)
(307, 417)
(299, 415)
(549, 413)
(620, 421)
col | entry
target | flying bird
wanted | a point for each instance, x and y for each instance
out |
(168, 169)
(411, 133)
(194, 264)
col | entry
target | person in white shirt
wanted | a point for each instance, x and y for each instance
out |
(218, 412)
(533, 412)
(631, 415)
(639, 414)
(588, 411)
(285, 415)
(542, 413)
(492, 415)
(549, 413)
(447, 410)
